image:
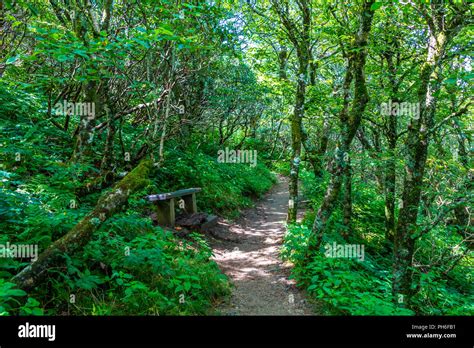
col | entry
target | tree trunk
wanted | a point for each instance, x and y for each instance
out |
(300, 38)
(315, 155)
(85, 134)
(417, 145)
(390, 178)
(350, 124)
(296, 138)
(347, 205)
(283, 62)
(107, 158)
(390, 181)
(392, 138)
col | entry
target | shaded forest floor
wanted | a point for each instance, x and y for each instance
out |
(247, 251)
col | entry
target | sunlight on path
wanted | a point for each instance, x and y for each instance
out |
(251, 260)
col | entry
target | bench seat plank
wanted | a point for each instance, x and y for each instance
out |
(175, 194)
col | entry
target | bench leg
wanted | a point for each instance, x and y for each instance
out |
(190, 204)
(165, 213)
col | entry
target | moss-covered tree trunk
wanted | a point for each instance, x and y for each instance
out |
(81, 234)
(389, 188)
(299, 35)
(350, 122)
(390, 172)
(107, 158)
(347, 204)
(315, 155)
(417, 144)
(296, 138)
(418, 139)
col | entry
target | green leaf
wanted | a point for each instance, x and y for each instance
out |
(62, 58)
(376, 5)
(16, 292)
(11, 60)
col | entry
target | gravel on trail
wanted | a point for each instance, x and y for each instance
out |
(247, 251)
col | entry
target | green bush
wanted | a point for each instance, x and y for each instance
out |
(134, 267)
(342, 285)
(161, 274)
(10, 301)
(227, 187)
(350, 287)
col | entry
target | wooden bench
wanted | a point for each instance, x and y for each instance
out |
(165, 203)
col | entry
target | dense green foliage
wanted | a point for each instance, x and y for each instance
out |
(130, 266)
(365, 105)
(351, 287)
(228, 187)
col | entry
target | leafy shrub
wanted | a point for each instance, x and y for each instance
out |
(227, 187)
(10, 301)
(349, 287)
(134, 267)
(341, 284)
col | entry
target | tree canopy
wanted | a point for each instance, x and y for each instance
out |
(366, 107)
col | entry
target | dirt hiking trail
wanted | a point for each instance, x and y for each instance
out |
(248, 252)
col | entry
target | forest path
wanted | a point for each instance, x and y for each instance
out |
(249, 256)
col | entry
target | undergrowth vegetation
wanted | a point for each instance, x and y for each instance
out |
(228, 187)
(365, 106)
(130, 266)
(349, 286)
